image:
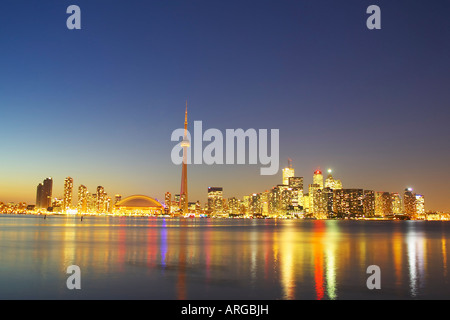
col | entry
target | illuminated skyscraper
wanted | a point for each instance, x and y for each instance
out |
(233, 206)
(314, 198)
(329, 181)
(296, 184)
(275, 201)
(184, 187)
(91, 201)
(168, 201)
(215, 200)
(379, 203)
(288, 172)
(117, 198)
(44, 194)
(420, 204)
(328, 198)
(82, 199)
(348, 202)
(387, 203)
(255, 204)
(264, 200)
(369, 203)
(318, 178)
(68, 191)
(39, 196)
(409, 199)
(101, 199)
(396, 202)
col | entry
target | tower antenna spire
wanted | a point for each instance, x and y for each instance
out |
(183, 205)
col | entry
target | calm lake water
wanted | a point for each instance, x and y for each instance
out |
(149, 258)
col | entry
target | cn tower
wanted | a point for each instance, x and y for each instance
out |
(184, 191)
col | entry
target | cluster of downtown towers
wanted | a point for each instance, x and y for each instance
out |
(324, 199)
(87, 202)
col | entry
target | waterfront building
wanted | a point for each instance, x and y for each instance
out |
(420, 204)
(396, 203)
(233, 206)
(139, 205)
(329, 181)
(314, 199)
(44, 194)
(82, 204)
(318, 179)
(288, 172)
(68, 191)
(409, 199)
(168, 202)
(215, 200)
(369, 203)
(101, 199)
(296, 184)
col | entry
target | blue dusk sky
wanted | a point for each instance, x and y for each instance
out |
(99, 104)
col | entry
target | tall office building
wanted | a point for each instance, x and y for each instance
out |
(275, 200)
(264, 200)
(233, 206)
(168, 202)
(369, 203)
(101, 199)
(255, 204)
(420, 204)
(348, 202)
(387, 203)
(91, 201)
(44, 194)
(329, 181)
(318, 178)
(409, 200)
(379, 203)
(396, 202)
(328, 198)
(39, 196)
(82, 204)
(215, 200)
(68, 190)
(288, 172)
(314, 198)
(184, 187)
(296, 184)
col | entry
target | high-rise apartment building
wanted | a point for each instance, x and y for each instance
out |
(409, 200)
(44, 194)
(369, 203)
(215, 200)
(82, 204)
(318, 178)
(168, 202)
(288, 172)
(68, 191)
(420, 204)
(396, 202)
(101, 199)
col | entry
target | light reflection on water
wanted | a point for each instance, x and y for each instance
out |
(149, 258)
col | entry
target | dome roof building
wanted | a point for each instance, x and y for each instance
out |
(139, 204)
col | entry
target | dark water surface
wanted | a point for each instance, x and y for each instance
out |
(149, 258)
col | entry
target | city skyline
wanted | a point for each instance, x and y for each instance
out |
(372, 105)
(395, 203)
